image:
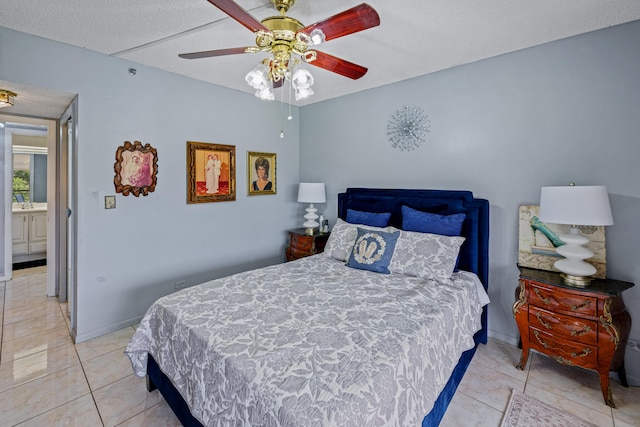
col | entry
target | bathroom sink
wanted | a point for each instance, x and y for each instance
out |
(28, 207)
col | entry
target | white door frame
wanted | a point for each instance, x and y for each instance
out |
(66, 226)
(52, 128)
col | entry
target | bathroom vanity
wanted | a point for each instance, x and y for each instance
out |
(29, 230)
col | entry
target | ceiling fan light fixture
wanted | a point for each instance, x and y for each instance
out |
(317, 37)
(288, 41)
(303, 92)
(7, 98)
(265, 94)
(301, 77)
(258, 78)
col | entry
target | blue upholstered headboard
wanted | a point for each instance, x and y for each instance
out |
(474, 254)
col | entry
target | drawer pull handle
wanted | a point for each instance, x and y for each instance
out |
(585, 353)
(544, 344)
(544, 300)
(545, 324)
(581, 306)
(584, 331)
(563, 360)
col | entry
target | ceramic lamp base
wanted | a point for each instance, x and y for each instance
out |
(576, 270)
(310, 224)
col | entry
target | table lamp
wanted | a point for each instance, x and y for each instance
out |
(575, 205)
(311, 192)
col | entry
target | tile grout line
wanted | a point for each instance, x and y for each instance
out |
(81, 367)
(530, 363)
(4, 302)
(84, 372)
(1, 335)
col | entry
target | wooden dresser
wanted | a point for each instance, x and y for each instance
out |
(301, 244)
(586, 327)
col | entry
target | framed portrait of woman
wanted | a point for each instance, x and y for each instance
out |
(261, 173)
(211, 172)
(136, 169)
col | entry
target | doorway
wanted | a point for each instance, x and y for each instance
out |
(61, 188)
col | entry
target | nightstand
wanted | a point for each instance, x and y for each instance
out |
(301, 244)
(586, 327)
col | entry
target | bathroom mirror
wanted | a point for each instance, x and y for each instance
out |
(30, 174)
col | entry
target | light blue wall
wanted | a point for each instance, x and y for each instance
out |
(503, 128)
(129, 256)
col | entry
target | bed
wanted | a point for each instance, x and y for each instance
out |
(319, 342)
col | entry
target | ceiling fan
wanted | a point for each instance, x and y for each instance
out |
(290, 43)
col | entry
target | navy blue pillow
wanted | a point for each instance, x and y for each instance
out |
(425, 222)
(373, 250)
(368, 218)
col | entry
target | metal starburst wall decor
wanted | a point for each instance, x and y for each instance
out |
(408, 127)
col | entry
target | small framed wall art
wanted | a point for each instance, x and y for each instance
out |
(136, 169)
(211, 172)
(261, 173)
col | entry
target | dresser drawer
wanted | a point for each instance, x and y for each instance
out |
(572, 328)
(573, 353)
(555, 299)
(295, 253)
(301, 243)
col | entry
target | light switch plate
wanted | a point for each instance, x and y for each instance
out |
(109, 202)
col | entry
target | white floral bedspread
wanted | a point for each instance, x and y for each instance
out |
(310, 343)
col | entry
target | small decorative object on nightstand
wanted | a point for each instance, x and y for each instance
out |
(302, 244)
(586, 327)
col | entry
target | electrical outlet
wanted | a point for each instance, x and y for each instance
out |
(633, 345)
(180, 284)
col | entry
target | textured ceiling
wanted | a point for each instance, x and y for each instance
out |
(415, 37)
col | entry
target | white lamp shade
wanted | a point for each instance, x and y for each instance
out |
(575, 205)
(311, 192)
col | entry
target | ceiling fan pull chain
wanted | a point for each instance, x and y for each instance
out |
(281, 114)
(289, 117)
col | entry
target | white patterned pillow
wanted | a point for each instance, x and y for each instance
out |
(343, 236)
(425, 255)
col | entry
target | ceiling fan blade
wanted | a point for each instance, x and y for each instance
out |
(337, 65)
(348, 22)
(235, 11)
(217, 52)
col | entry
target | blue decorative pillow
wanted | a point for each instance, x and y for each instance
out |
(368, 218)
(373, 250)
(425, 222)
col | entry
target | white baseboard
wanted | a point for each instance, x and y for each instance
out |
(107, 330)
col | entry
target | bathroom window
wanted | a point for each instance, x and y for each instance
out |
(21, 177)
(29, 177)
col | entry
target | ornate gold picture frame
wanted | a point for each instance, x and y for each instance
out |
(136, 169)
(211, 172)
(261, 173)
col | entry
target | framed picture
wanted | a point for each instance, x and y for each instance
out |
(537, 242)
(261, 173)
(136, 169)
(211, 172)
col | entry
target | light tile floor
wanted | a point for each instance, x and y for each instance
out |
(46, 380)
